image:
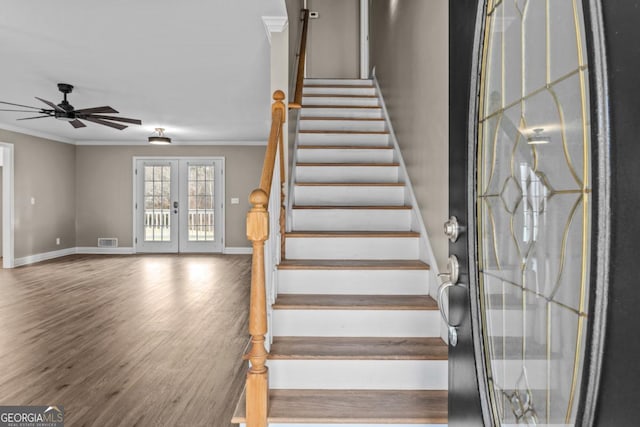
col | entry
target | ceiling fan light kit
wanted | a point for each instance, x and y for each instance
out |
(160, 138)
(66, 112)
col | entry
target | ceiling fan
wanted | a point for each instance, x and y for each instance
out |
(65, 111)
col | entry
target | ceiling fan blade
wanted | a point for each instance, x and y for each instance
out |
(105, 123)
(77, 124)
(104, 109)
(36, 117)
(43, 111)
(51, 104)
(117, 119)
(19, 105)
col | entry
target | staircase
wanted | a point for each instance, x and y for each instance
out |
(356, 337)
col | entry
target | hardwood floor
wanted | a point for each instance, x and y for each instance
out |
(151, 340)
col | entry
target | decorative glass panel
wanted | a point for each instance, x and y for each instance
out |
(201, 197)
(157, 203)
(533, 206)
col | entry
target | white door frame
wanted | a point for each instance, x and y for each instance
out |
(364, 39)
(165, 158)
(8, 210)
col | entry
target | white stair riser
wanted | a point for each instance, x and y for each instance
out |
(347, 173)
(358, 374)
(339, 82)
(355, 139)
(356, 323)
(340, 90)
(349, 195)
(339, 100)
(357, 113)
(354, 282)
(352, 248)
(356, 125)
(328, 155)
(351, 219)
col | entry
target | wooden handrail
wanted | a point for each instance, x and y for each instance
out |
(257, 385)
(302, 54)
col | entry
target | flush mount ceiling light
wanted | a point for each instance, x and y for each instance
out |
(159, 139)
(537, 137)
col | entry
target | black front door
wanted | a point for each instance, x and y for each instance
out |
(528, 152)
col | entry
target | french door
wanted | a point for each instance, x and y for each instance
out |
(178, 206)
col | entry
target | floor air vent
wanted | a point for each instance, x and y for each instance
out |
(107, 242)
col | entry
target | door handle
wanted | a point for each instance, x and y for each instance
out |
(442, 291)
(175, 207)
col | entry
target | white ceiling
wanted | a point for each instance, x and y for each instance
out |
(199, 68)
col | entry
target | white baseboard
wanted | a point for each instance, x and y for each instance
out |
(90, 250)
(237, 250)
(106, 251)
(31, 259)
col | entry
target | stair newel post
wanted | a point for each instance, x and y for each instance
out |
(257, 387)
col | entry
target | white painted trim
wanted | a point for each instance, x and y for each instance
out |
(364, 39)
(237, 250)
(32, 259)
(45, 135)
(275, 24)
(8, 206)
(225, 142)
(94, 250)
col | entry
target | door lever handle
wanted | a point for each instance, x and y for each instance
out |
(453, 332)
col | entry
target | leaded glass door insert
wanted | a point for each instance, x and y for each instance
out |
(533, 209)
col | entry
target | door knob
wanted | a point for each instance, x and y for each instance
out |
(453, 270)
(452, 229)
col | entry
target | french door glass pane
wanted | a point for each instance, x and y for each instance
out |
(157, 203)
(201, 208)
(533, 206)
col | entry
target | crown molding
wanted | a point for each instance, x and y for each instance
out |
(275, 24)
(174, 143)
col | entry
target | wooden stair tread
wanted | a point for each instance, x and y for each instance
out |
(336, 95)
(332, 164)
(351, 264)
(373, 234)
(350, 184)
(341, 106)
(345, 132)
(354, 302)
(346, 119)
(319, 207)
(345, 147)
(354, 406)
(358, 348)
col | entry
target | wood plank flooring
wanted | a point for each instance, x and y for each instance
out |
(149, 340)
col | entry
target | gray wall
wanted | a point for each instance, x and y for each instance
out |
(1, 212)
(104, 188)
(334, 39)
(44, 170)
(409, 49)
